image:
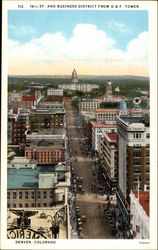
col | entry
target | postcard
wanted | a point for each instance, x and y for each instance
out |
(79, 109)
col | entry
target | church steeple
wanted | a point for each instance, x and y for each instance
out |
(74, 78)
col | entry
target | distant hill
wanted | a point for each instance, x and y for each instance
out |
(106, 77)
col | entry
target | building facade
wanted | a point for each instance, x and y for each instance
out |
(37, 187)
(76, 85)
(46, 118)
(89, 105)
(97, 131)
(16, 130)
(134, 151)
(45, 151)
(108, 154)
(104, 115)
(56, 92)
(139, 215)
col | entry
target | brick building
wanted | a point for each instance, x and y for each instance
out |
(16, 130)
(46, 118)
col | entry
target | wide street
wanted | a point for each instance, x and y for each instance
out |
(90, 204)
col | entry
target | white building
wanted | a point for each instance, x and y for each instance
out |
(97, 131)
(108, 153)
(133, 144)
(105, 115)
(57, 92)
(89, 105)
(139, 215)
(75, 85)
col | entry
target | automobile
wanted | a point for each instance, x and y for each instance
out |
(83, 218)
(80, 187)
(81, 179)
(82, 191)
(74, 181)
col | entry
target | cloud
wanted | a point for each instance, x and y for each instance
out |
(21, 30)
(137, 49)
(87, 44)
(120, 27)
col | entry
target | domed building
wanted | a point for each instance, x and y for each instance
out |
(76, 85)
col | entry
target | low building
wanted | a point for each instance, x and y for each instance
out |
(56, 92)
(139, 215)
(97, 131)
(103, 115)
(89, 105)
(49, 150)
(108, 154)
(37, 187)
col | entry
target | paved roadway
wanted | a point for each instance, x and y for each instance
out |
(90, 204)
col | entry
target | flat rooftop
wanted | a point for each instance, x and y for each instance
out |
(52, 143)
(134, 119)
(44, 111)
(46, 131)
(103, 125)
(22, 178)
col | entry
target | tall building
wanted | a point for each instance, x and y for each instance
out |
(134, 148)
(108, 154)
(16, 130)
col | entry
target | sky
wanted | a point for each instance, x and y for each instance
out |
(108, 42)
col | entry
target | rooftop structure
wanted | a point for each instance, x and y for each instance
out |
(21, 162)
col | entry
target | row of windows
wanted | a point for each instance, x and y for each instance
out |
(15, 195)
(44, 153)
(32, 205)
(113, 114)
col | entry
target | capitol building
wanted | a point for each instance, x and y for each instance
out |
(75, 85)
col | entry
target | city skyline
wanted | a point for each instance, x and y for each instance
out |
(94, 42)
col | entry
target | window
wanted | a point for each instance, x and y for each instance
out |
(137, 135)
(51, 194)
(8, 195)
(14, 195)
(147, 135)
(32, 195)
(38, 204)
(20, 205)
(14, 205)
(38, 195)
(32, 204)
(26, 195)
(44, 204)
(20, 195)
(44, 194)
(8, 205)
(26, 204)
